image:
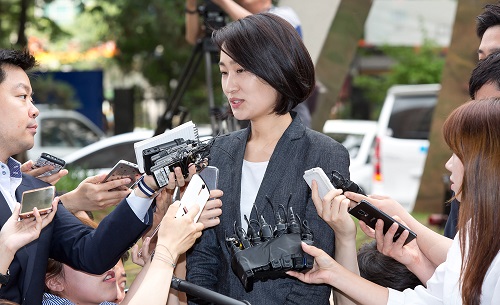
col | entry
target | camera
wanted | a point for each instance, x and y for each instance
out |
(339, 182)
(160, 160)
(270, 251)
(214, 17)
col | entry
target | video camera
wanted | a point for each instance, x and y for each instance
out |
(214, 17)
(269, 252)
(161, 160)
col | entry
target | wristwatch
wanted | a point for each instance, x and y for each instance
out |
(4, 278)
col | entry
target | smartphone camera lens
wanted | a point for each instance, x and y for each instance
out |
(362, 213)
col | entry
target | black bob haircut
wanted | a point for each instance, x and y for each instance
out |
(269, 47)
(487, 71)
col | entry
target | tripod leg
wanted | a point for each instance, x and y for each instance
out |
(165, 121)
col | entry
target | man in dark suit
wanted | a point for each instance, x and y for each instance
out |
(65, 239)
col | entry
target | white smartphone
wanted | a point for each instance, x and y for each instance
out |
(196, 193)
(324, 184)
(123, 169)
(40, 198)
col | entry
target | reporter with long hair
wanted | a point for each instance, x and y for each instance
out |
(471, 272)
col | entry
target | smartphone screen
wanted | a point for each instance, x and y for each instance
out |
(40, 198)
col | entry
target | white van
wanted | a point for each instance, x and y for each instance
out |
(402, 141)
(358, 137)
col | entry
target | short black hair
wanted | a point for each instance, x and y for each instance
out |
(269, 47)
(487, 71)
(488, 18)
(20, 58)
(384, 270)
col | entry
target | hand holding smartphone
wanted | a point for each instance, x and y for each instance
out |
(369, 214)
(324, 184)
(48, 159)
(123, 169)
(40, 198)
(196, 193)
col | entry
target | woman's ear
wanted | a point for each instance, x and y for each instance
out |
(55, 283)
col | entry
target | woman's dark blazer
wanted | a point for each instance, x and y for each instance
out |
(299, 149)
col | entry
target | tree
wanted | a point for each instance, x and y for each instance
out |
(421, 65)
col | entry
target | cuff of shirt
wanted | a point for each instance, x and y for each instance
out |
(140, 206)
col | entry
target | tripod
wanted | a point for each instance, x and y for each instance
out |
(204, 48)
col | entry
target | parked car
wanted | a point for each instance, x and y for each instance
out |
(358, 137)
(61, 132)
(402, 141)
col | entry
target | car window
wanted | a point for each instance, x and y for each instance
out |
(107, 157)
(351, 142)
(66, 132)
(411, 116)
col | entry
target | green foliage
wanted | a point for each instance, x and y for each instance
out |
(413, 66)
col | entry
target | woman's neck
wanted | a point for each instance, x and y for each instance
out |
(264, 136)
(271, 127)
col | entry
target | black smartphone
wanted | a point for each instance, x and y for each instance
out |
(123, 169)
(48, 159)
(40, 198)
(369, 214)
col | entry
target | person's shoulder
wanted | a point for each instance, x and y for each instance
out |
(286, 13)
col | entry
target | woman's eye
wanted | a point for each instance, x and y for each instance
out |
(240, 70)
(223, 72)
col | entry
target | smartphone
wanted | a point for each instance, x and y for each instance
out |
(48, 159)
(40, 198)
(123, 169)
(210, 175)
(196, 193)
(369, 214)
(324, 184)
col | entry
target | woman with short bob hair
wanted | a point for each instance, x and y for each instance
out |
(286, 66)
(265, 72)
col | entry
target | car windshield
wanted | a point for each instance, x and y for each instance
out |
(106, 157)
(411, 116)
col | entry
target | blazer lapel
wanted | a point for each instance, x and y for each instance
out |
(283, 156)
(5, 211)
(30, 250)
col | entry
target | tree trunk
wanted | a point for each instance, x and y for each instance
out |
(460, 60)
(337, 55)
(22, 41)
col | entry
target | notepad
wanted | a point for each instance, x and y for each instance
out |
(186, 131)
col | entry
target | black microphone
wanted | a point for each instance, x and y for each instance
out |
(204, 293)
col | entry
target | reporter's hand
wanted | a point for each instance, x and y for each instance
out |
(92, 195)
(176, 178)
(16, 234)
(322, 270)
(179, 234)
(210, 215)
(409, 255)
(163, 201)
(27, 168)
(386, 204)
(333, 209)
(142, 257)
